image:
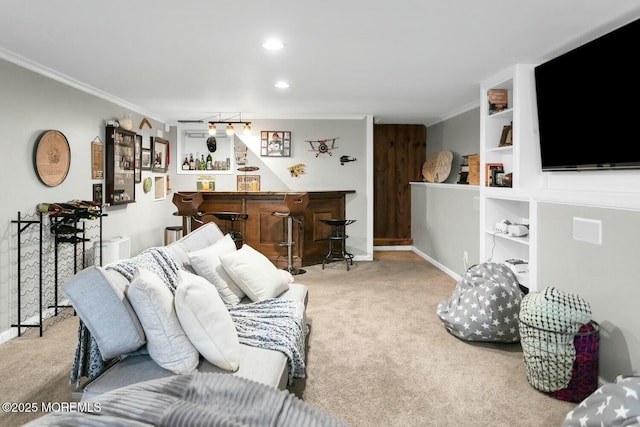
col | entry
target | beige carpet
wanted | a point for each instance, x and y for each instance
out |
(378, 356)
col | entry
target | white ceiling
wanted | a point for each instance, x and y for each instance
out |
(402, 61)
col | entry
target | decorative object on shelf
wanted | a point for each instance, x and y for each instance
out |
(126, 122)
(490, 170)
(506, 138)
(212, 144)
(347, 159)
(52, 157)
(97, 158)
(160, 154)
(160, 187)
(296, 170)
(144, 122)
(463, 173)
(146, 185)
(137, 159)
(97, 193)
(498, 100)
(474, 169)
(275, 143)
(248, 182)
(438, 167)
(323, 146)
(205, 183)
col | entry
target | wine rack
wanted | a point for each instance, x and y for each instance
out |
(49, 250)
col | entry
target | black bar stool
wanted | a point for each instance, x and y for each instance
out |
(232, 217)
(338, 237)
(295, 205)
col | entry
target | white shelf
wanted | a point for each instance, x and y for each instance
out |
(521, 240)
(521, 159)
(192, 140)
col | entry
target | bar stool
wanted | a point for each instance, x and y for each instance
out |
(232, 217)
(188, 205)
(338, 236)
(295, 204)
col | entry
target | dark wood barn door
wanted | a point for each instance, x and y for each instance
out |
(399, 151)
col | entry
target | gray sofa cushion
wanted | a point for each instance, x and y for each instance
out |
(98, 296)
(264, 366)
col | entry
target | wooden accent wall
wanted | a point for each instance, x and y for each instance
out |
(399, 151)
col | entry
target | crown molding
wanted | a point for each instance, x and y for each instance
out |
(68, 81)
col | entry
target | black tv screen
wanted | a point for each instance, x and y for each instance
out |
(588, 103)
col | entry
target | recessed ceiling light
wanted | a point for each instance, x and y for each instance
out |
(282, 85)
(273, 44)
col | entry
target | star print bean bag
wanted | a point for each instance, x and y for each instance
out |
(484, 305)
(615, 404)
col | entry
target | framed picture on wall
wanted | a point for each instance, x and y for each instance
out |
(137, 159)
(275, 143)
(248, 183)
(160, 154)
(159, 187)
(145, 159)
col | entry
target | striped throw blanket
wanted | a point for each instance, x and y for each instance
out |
(274, 324)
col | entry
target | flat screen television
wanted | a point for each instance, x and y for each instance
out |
(588, 104)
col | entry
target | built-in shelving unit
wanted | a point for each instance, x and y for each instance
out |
(511, 202)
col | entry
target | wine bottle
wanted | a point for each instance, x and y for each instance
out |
(209, 162)
(49, 208)
(203, 164)
(185, 164)
(192, 164)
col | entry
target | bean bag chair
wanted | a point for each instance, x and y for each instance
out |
(614, 404)
(484, 305)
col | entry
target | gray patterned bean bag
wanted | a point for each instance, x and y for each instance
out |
(616, 404)
(484, 305)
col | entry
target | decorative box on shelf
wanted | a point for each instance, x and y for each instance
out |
(474, 169)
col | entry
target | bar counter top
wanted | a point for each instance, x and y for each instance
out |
(264, 232)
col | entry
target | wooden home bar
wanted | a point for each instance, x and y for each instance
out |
(264, 231)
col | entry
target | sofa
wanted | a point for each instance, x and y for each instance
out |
(197, 305)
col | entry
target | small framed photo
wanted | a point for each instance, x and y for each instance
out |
(137, 159)
(248, 183)
(97, 193)
(160, 150)
(159, 187)
(275, 143)
(145, 159)
(506, 139)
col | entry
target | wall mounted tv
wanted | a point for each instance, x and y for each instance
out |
(588, 103)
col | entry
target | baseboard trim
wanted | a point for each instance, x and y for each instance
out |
(393, 248)
(441, 267)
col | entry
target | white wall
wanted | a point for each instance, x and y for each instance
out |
(32, 103)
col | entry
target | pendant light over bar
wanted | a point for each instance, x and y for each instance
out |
(229, 122)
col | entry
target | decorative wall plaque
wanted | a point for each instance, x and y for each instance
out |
(52, 158)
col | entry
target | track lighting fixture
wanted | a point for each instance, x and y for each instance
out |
(230, 129)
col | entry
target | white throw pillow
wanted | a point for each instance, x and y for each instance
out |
(167, 343)
(206, 263)
(207, 322)
(254, 273)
